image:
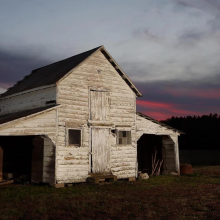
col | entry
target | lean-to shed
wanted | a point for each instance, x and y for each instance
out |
(76, 118)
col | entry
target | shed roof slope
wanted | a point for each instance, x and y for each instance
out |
(49, 74)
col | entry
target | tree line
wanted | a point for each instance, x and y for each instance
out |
(202, 132)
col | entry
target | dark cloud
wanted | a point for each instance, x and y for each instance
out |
(146, 33)
(215, 3)
(204, 5)
(15, 65)
(214, 23)
(191, 36)
(183, 4)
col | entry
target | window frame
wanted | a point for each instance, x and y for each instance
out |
(67, 137)
(118, 136)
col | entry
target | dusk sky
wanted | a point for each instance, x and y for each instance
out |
(170, 49)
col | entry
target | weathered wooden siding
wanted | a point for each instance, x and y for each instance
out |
(72, 163)
(170, 142)
(41, 124)
(26, 101)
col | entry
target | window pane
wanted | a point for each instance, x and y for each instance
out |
(128, 140)
(124, 137)
(75, 137)
(124, 140)
(128, 133)
(124, 133)
(120, 134)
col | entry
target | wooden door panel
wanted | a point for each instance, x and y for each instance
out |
(100, 150)
(99, 105)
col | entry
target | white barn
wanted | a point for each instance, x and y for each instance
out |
(76, 119)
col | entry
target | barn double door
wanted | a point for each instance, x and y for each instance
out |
(100, 148)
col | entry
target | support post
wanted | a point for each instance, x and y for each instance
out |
(176, 152)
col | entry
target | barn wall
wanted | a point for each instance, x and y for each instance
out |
(26, 101)
(73, 93)
(41, 124)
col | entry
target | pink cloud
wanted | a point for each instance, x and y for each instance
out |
(161, 111)
(158, 115)
(148, 104)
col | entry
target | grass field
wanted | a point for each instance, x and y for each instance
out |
(163, 197)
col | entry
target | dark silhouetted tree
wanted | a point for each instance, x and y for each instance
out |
(202, 132)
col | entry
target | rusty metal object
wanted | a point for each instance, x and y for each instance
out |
(186, 169)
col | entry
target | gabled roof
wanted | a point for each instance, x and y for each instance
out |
(159, 123)
(54, 72)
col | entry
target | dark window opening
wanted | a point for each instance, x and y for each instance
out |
(75, 137)
(124, 137)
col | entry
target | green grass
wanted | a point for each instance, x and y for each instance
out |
(194, 196)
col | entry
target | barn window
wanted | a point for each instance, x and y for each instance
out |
(74, 136)
(124, 137)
